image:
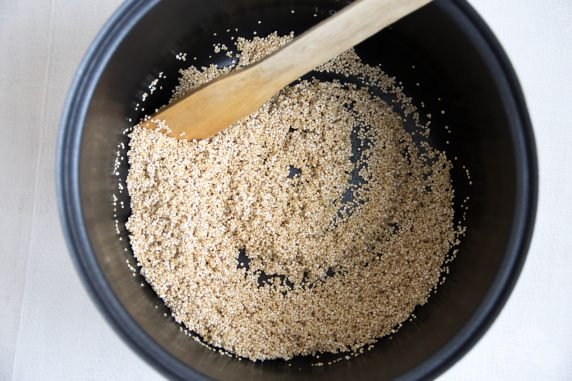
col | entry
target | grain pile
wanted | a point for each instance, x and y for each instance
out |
(314, 225)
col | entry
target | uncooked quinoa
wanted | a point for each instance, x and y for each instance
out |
(316, 224)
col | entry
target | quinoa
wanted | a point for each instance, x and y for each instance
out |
(316, 224)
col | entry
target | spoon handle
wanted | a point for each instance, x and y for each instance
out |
(336, 34)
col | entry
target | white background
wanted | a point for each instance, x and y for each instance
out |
(49, 328)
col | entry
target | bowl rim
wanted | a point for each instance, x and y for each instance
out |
(93, 279)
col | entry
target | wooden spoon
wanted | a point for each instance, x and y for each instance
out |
(236, 95)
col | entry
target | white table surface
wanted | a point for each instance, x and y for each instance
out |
(50, 329)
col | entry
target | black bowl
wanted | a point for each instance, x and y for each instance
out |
(459, 67)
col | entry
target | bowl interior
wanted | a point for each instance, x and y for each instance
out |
(444, 64)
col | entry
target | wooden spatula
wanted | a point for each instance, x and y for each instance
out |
(222, 102)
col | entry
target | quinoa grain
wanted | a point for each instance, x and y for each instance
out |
(316, 224)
